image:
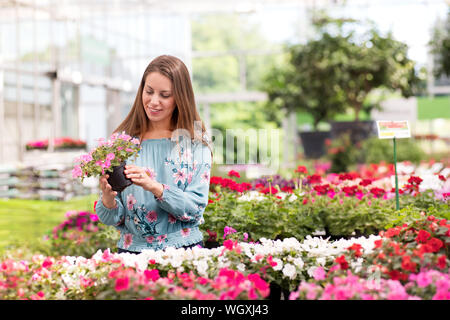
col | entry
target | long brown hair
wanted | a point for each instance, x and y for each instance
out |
(185, 113)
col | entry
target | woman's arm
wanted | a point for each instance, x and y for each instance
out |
(188, 205)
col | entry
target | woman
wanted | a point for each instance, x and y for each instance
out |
(164, 206)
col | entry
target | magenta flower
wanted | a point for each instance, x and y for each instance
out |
(228, 230)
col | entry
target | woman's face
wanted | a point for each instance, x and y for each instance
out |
(158, 100)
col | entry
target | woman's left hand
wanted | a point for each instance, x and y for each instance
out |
(140, 177)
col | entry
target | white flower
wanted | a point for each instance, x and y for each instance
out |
(289, 271)
(279, 265)
(292, 198)
(321, 261)
(241, 267)
(202, 267)
(299, 262)
(311, 271)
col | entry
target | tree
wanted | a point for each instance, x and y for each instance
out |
(339, 69)
(440, 46)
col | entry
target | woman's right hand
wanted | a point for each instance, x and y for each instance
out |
(108, 195)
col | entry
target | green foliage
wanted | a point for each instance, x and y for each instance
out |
(339, 69)
(440, 45)
(343, 153)
(81, 234)
(267, 216)
(376, 150)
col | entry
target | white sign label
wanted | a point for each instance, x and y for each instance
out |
(393, 129)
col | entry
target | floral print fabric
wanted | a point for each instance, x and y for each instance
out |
(147, 222)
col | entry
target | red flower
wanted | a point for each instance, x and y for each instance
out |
(365, 182)
(323, 189)
(397, 275)
(442, 261)
(342, 262)
(378, 243)
(435, 244)
(350, 191)
(233, 173)
(95, 204)
(377, 192)
(301, 169)
(357, 248)
(287, 189)
(315, 178)
(441, 177)
(272, 190)
(392, 232)
(345, 176)
(422, 236)
(407, 264)
(415, 181)
(212, 235)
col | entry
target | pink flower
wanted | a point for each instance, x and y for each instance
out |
(359, 195)
(172, 219)
(331, 194)
(131, 201)
(110, 156)
(150, 239)
(180, 175)
(77, 172)
(127, 240)
(152, 274)
(152, 216)
(185, 232)
(122, 284)
(125, 137)
(161, 238)
(135, 141)
(319, 274)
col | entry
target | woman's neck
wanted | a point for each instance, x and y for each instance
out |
(157, 134)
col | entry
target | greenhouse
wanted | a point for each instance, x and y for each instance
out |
(225, 150)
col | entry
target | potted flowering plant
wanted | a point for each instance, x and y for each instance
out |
(108, 157)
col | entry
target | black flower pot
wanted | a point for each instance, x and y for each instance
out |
(358, 130)
(314, 143)
(117, 178)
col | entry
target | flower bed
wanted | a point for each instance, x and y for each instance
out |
(406, 262)
(337, 205)
(59, 143)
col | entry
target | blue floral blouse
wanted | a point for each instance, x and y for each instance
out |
(147, 222)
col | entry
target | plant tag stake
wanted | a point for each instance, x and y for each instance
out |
(394, 130)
